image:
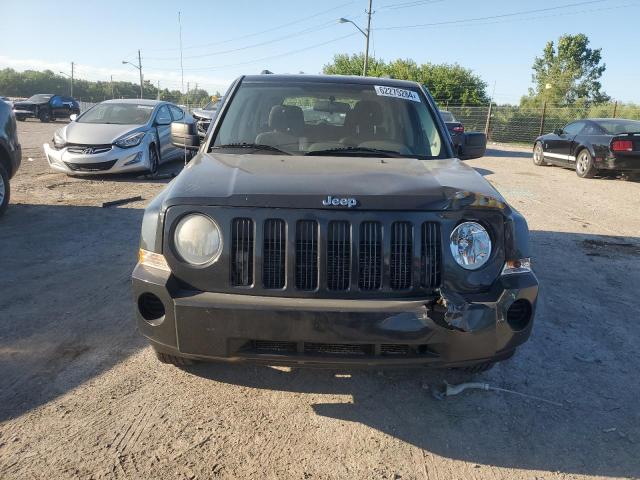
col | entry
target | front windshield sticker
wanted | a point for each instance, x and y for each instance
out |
(397, 93)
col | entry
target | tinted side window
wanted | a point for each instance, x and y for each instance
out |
(573, 128)
(56, 101)
(163, 117)
(176, 113)
(591, 129)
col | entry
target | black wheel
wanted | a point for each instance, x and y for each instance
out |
(154, 160)
(477, 368)
(174, 360)
(44, 115)
(21, 118)
(584, 164)
(4, 190)
(538, 155)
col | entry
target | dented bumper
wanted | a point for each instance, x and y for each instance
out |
(448, 330)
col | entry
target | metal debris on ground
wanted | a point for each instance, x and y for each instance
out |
(122, 201)
(448, 390)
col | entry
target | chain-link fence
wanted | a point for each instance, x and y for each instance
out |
(514, 124)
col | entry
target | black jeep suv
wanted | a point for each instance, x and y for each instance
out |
(326, 220)
(46, 107)
(10, 153)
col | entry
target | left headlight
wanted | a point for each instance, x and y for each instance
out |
(197, 239)
(130, 140)
(58, 141)
(470, 245)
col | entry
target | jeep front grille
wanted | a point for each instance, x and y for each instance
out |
(335, 255)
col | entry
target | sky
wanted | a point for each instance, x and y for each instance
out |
(497, 39)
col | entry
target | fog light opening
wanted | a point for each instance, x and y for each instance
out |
(151, 308)
(519, 314)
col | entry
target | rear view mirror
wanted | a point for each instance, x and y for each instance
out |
(73, 117)
(474, 145)
(185, 135)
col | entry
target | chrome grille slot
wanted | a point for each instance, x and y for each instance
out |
(401, 255)
(370, 256)
(242, 252)
(274, 253)
(339, 256)
(307, 255)
(430, 255)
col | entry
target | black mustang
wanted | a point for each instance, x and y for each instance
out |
(591, 145)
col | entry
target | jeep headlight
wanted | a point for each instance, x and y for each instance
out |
(197, 239)
(58, 141)
(470, 245)
(130, 140)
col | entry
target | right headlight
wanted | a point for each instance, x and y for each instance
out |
(197, 239)
(470, 245)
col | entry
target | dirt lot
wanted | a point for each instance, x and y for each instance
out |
(82, 396)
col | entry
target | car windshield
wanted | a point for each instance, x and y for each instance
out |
(118, 113)
(616, 127)
(447, 116)
(39, 98)
(316, 118)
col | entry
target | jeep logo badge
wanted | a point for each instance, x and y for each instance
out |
(340, 202)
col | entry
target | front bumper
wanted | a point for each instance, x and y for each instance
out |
(24, 113)
(451, 331)
(116, 160)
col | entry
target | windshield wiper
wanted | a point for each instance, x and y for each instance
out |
(253, 146)
(356, 150)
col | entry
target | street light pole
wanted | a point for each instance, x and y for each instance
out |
(139, 67)
(72, 65)
(366, 34)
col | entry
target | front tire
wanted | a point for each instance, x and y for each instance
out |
(44, 116)
(538, 155)
(585, 167)
(154, 160)
(20, 118)
(5, 190)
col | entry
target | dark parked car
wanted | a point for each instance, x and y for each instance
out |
(456, 129)
(46, 107)
(10, 153)
(203, 116)
(591, 145)
(360, 240)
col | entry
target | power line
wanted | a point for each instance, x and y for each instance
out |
(292, 52)
(242, 37)
(416, 3)
(491, 17)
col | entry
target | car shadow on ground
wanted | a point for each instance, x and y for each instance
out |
(65, 299)
(581, 354)
(166, 173)
(507, 153)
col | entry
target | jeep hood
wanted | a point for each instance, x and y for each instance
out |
(278, 181)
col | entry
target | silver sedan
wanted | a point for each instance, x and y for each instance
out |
(116, 136)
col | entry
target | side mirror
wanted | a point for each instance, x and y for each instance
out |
(474, 145)
(73, 117)
(558, 131)
(185, 135)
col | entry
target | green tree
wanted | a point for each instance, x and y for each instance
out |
(568, 74)
(449, 84)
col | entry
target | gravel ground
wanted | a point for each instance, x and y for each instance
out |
(82, 396)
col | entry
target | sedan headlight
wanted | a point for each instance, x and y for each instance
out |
(470, 245)
(197, 239)
(130, 140)
(58, 141)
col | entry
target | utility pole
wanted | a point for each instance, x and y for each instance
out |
(72, 65)
(181, 68)
(140, 69)
(366, 50)
(112, 96)
(158, 89)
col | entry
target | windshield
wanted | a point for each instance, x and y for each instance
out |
(304, 118)
(39, 98)
(615, 127)
(118, 113)
(447, 116)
